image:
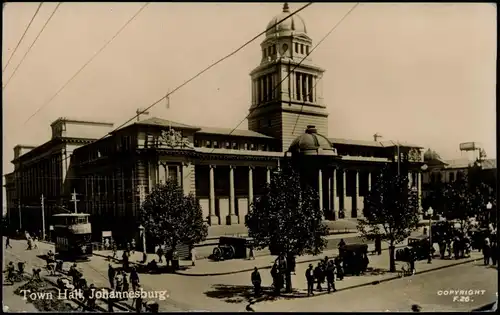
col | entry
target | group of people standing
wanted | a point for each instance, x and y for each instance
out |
(490, 251)
(325, 270)
(454, 247)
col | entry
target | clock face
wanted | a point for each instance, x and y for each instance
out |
(284, 48)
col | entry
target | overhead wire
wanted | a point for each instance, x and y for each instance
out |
(32, 44)
(22, 36)
(87, 63)
(138, 113)
(288, 75)
(325, 37)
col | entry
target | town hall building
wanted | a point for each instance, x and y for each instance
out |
(108, 177)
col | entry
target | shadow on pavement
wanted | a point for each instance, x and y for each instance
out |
(245, 294)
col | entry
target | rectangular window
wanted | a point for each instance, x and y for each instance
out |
(452, 177)
(311, 88)
(265, 88)
(302, 48)
(307, 50)
(274, 49)
(264, 52)
(269, 51)
(297, 48)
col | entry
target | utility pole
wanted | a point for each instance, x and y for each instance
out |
(20, 218)
(43, 217)
(75, 201)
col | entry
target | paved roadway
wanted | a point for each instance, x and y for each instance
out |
(399, 295)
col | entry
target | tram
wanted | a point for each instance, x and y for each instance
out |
(73, 235)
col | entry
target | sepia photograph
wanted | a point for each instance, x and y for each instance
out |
(249, 157)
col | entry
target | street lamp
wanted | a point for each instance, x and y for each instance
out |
(143, 234)
(430, 212)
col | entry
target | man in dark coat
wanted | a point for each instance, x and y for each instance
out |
(330, 276)
(111, 276)
(319, 275)
(310, 280)
(256, 281)
(338, 267)
(486, 251)
(378, 245)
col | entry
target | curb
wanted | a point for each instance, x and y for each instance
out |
(251, 269)
(463, 262)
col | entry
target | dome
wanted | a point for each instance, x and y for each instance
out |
(312, 143)
(294, 23)
(431, 155)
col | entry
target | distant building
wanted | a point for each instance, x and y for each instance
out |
(445, 171)
(224, 168)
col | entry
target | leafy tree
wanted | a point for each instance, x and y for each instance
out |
(170, 217)
(287, 217)
(390, 211)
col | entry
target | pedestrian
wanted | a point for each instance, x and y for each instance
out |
(310, 280)
(319, 276)
(275, 276)
(133, 246)
(378, 245)
(330, 276)
(115, 250)
(160, 254)
(125, 260)
(134, 279)
(30, 244)
(91, 297)
(456, 247)
(7, 242)
(193, 256)
(442, 248)
(494, 253)
(341, 243)
(256, 281)
(138, 302)
(339, 268)
(412, 258)
(35, 242)
(106, 243)
(125, 283)
(486, 251)
(250, 253)
(448, 247)
(111, 276)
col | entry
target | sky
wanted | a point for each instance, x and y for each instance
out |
(420, 73)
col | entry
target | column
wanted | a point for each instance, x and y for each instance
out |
(214, 220)
(250, 186)
(308, 87)
(179, 176)
(268, 175)
(419, 187)
(231, 218)
(312, 95)
(167, 172)
(299, 92)
(320, 191)
(358, 205)
(369, 181)
(335, 204)
(344, 192)
(161, 173)
(409, 180)
(262, 89)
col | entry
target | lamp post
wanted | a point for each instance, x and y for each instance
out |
(430, 212)
(143, 234)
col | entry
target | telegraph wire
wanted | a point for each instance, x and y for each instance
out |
(32, 44)
(199, 74)
(210, 67)
(327, 34)
(88, 62)
(22, 36)
(287, 76)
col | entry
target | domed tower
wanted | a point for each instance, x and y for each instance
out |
(287, 93)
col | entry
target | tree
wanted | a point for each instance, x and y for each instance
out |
(170, 217)
(390, 211)
(287, 218)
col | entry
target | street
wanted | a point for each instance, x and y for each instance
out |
(231, 293)
(399, 295)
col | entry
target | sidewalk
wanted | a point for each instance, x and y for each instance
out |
(377, 274)
(205, 267)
